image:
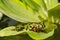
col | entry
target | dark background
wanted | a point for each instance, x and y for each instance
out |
(58, 0)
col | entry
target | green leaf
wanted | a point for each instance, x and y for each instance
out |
(41, 3)
(50, 26)
(54, 14)
(32, 4)
(43, 9)
(9, 31)
(16, 10)
(39, 36)
(50, 3)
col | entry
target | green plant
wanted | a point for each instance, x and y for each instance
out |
(31, 12)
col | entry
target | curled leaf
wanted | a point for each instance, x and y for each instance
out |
(9, 31)
(40, 35)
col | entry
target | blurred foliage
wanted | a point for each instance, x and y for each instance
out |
(5, 21)
(56, 35)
